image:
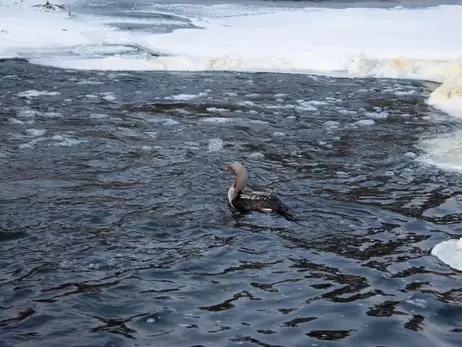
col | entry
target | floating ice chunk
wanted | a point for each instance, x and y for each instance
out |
(306, 108)
(341, 174)
(181, 110)
(30, 144)
(150, 320)
(108, 96)
(450, 253)
(90, 82)
(317, 102)
(215, 109)
(28, 113)
(98, 116)
(65, 141)
(417, 302)
(347, 112)
(163, 121)
(365, 122)
(405, 92)
(215, 145)
(246, 103)
(280, 107)
(325, 144)
(170, 122)
(34, 93)
(185, 97)
(15, 121)
(68, 142)
(256, 155)
(331, 124)
(257, 121)
(312, 102)
(411, 155)
(215, 120)
(35, 132)
(443, 151)
(27, 145)
(377, 115)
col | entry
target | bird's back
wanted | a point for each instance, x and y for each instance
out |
(260, 200)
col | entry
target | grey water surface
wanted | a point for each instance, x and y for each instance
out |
(115, 231)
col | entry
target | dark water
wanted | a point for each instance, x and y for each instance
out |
(115, 229)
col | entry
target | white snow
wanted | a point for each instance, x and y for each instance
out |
(450, 253)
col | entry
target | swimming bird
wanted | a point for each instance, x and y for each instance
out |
(252, 200)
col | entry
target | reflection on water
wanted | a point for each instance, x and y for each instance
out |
(115, 229)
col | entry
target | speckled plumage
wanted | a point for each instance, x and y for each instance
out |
(244, 199)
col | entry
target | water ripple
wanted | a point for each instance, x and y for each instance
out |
(115, 229)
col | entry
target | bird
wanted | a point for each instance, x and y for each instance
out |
(252, 200)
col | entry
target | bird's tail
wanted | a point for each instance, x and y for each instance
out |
(286, 214)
